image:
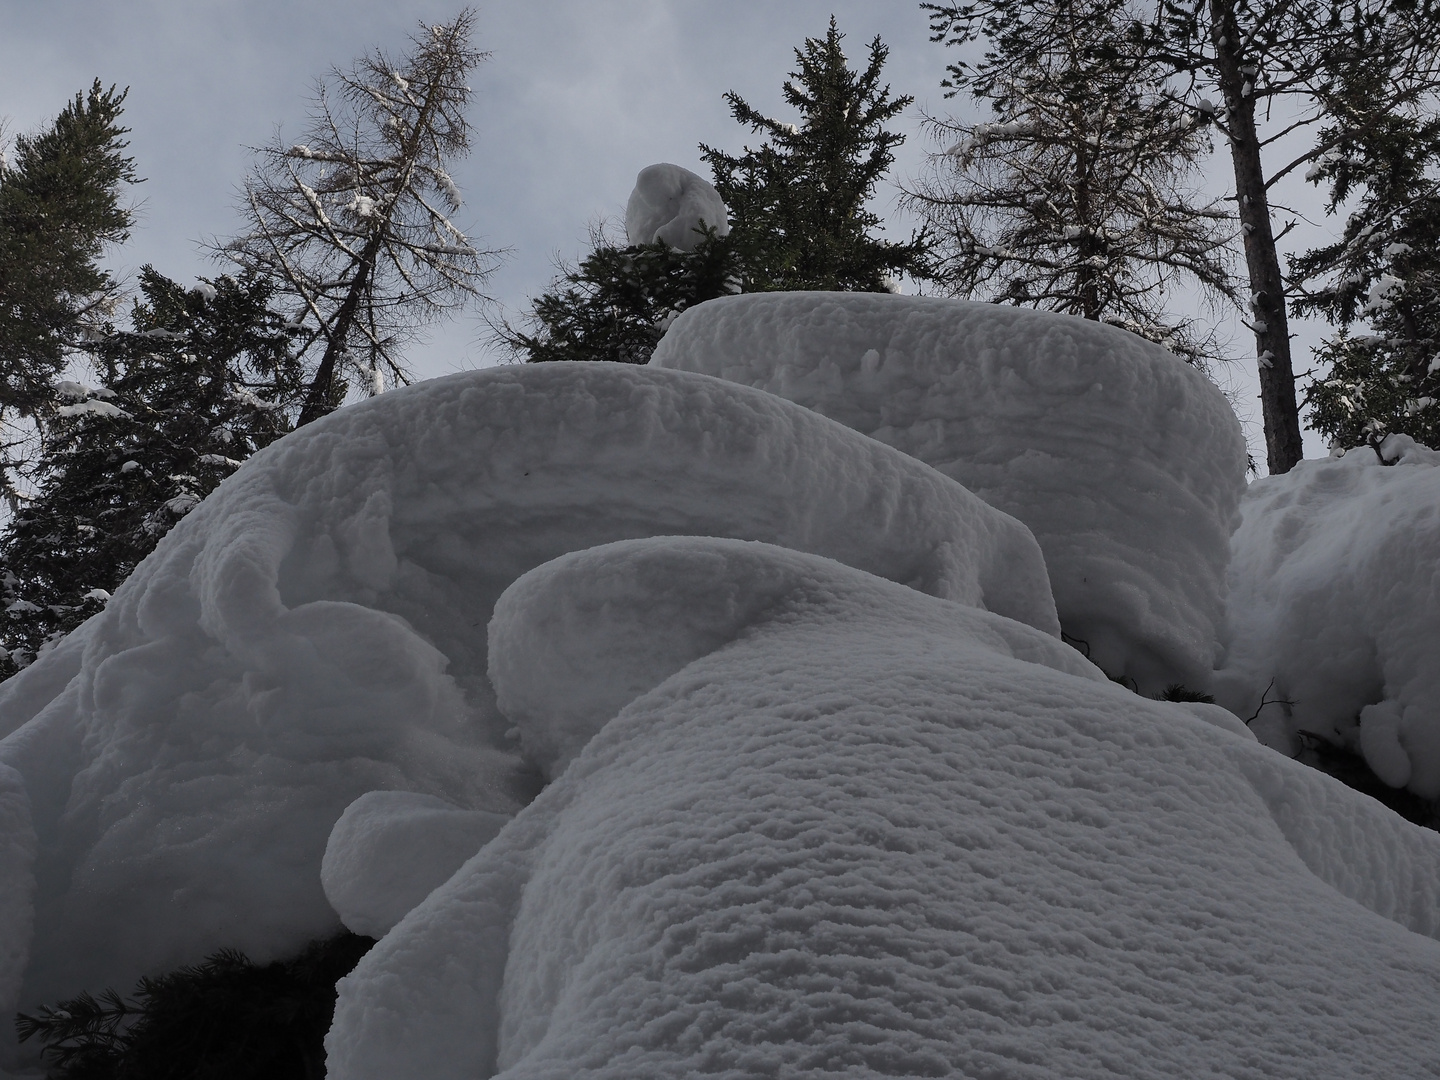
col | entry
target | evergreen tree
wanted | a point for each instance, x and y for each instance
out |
(1385, 268)
(352, 222)
(225, 1018)
(797, 202)
(619, 301)
(1078, 195)
(202, 379)
(59, 206)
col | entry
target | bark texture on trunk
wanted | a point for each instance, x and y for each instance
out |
(1281, 415)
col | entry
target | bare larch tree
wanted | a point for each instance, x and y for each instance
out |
(353, 222)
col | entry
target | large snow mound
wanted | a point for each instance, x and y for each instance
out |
(1127, 464)
(315, 630)
(870, 832)
(671, 205)
(1334, 610)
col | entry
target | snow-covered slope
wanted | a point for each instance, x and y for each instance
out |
(315, 630)
(867, 832)
(1334, 614)
(1127, 464)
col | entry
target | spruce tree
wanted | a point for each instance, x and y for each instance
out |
(200, 380)
(1078, 195)
(60, 205)
(797, 215)
(1384, 166)
(619, 301)
(798, 200)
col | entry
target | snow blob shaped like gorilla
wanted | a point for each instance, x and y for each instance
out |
(672, 205)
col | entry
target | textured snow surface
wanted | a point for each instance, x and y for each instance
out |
(868, 832)
(1334, 611)
(315, 630)
(390, 848)
(672, 205)
(1127, 464)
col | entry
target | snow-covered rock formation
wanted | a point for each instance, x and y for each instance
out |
(1127, 464)
(315, 630)
(1334, 612)
(847, 828)
(673, 206)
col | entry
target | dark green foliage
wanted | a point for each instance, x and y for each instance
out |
(196, 385)
(797, 221)
(1177, 692)
(797, 202)
(59, 207)
(223, 1019)
(1382, 163)
(617, 304)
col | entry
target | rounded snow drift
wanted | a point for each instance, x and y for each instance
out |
(1334, 610)
(390, 849)
(315, 630)
(1127, 464)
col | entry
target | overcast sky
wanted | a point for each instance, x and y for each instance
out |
(577, 97)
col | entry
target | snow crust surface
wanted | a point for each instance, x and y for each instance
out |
(870, 832)
(672, 205)
(1334, 611)
(1127, 464)
(315, 630)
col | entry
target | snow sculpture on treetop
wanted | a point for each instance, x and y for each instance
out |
(315, 630)
(1334, 610)
(844, 828)
(673, 206)
(1127, 464)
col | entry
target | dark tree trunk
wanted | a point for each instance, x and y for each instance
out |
(1283, 445)
(317, 395)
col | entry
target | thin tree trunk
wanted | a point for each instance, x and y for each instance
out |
(317, 394)
(1283, 444)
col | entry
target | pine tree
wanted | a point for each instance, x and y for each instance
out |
(225, 1018)
(1078, 196)
(1385, 268)
(352, 222)
(619, 301)
(60, 205)
(798, 201)
(202, 379)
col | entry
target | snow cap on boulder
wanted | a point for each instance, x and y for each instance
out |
(670, 205)
(1127, 464)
